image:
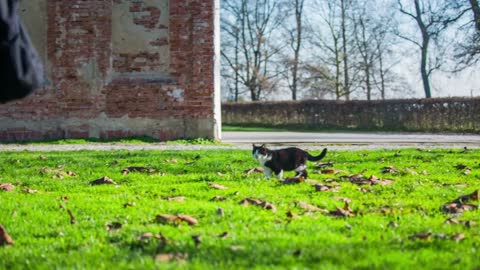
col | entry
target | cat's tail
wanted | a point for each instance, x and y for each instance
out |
(317, 158)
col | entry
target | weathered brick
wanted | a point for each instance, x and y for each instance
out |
(89, 82)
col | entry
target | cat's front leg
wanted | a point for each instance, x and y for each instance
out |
(280, 175)
(267, 172)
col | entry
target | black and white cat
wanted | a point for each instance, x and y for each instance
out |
(287, 159)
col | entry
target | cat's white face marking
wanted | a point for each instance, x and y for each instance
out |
(261, 158)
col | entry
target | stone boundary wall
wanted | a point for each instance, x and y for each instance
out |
(443, 114)
(119, 68)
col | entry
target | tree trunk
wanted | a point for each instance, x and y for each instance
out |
(476, 13)
(296, 46)
(346, 78)
(424, 50)
(423, 69)
(338, 90)
(367, 82)
(237, 79)
(382, 74)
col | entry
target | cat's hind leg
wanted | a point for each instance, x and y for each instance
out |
(280, 175)
(301, 171)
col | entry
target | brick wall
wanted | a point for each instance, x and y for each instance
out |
(446, 114)
(118, 68)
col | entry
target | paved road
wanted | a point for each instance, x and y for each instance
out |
(309, 141)
(350, 138)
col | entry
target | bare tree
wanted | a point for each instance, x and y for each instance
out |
(476, 13)
(231, 46)
(343, 19)
(327, 48)
(295, 40)
(364, 41)
(251, 63)
(432, 17)
(468, 50)
(375, 42)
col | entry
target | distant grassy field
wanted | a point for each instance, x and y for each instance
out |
(188, 209)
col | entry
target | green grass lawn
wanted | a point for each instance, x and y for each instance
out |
(399, 225)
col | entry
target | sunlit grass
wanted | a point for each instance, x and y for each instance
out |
(377, 236)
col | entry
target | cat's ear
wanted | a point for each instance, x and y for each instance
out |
(263, 146)
(254, 145)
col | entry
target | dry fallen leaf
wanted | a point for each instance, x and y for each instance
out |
(324, 164)
(346, 211)
(457, 208)
(469, 197)
(321, 187)
(57, 173)
(42, 157)
(190, 220)
(220, 174)
(129, 204)
(113, 226)
(249, 171)
(171, 160)
(197, 240)
(458, 237)
(137, 169)
(458, 205)
(392, 224)
(149, 235)
(293, 180)
(452, 221)
(221, 212)
(390, 169)
(411, 171)
(290, 214)
(470, 224)
(30, 191)
(461, 166)
(467, 223)
(176, 199)
(467, 172)
(165, 218)
(364, 190)
(268, 206)
(218, 199)
(237, 248)
(217, 186)
(249, 201)
(7, 187)
(103, 181)
(421, 236)
(372, 180)
(5, 239)
(168, 257)
(377, 181)
(310, 208)
(330, 171)
(72, 218)
(263, 204)
(223, 235)
(343, 199)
